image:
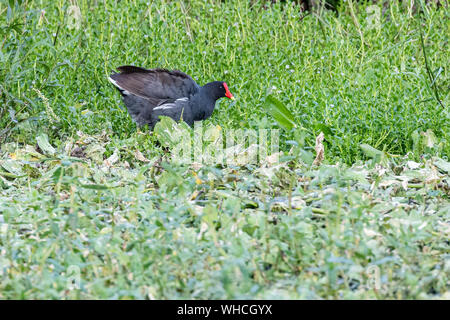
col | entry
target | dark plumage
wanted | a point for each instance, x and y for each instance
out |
(149, 94)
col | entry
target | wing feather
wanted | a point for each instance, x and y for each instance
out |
(154, 83)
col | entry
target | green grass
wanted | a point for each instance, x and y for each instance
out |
(378, 93)
(129, 228)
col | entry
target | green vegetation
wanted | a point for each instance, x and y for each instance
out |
(92, 208)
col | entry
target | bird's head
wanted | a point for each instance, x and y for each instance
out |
(219, 89)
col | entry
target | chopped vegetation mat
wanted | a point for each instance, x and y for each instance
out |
(78, 224)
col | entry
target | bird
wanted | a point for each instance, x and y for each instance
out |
(151, 93)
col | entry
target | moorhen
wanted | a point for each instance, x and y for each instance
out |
(150, 93)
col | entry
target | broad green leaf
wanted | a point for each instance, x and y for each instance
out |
(429, 138)
(280, 112)
(12, 166)
(42, 141)
(442, 165)
(371, 152)
(95, 152)
(210, 214)
(324, 128)
(170, 133)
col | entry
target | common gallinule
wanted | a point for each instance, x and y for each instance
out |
(150, 93)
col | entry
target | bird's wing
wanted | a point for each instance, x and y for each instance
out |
(154, 84)
(179, 109)
(145, 112)
(178, 103)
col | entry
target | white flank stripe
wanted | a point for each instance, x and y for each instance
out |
(125, 92)
(114, 82)
(165, 106)
(168, 106)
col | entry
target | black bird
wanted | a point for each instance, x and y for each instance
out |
(150, 93)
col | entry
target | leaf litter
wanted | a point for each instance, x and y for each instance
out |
(378, 209)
